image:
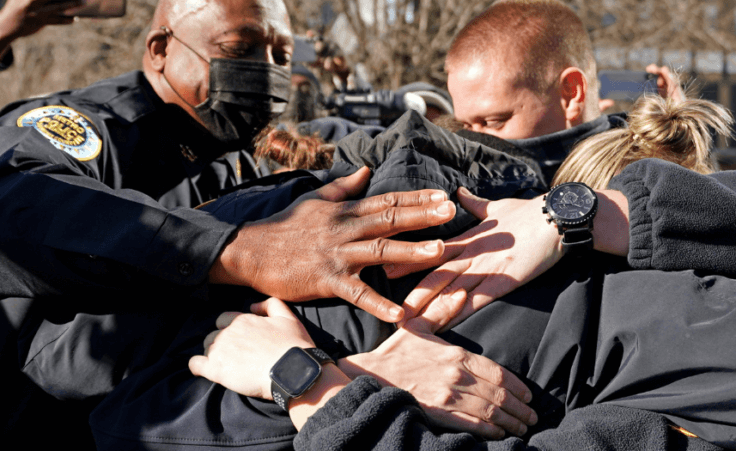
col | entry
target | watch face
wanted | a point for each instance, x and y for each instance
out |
(571, 202)
(295, 372)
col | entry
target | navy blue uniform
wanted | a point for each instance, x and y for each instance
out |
(96, 190)
(92, 185)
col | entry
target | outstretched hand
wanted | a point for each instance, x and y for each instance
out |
(317, 247)
(513, 245)
(20, 18)
(668, 84)
(241, 352)
(462, 391)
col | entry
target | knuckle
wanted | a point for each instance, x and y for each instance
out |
(240, 319)
(454, 374)
(359, 294)
(389, 216)
(491, 413)
(378, 248)
(444, 397)
(498, 375)
(390, 200)
(501, 397)
(456, 354)
(335, 227)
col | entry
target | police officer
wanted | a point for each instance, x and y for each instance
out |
(92, 179)
(97, 185)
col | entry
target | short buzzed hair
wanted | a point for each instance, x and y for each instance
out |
(547, 35)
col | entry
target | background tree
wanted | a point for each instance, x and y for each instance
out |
(398, 41)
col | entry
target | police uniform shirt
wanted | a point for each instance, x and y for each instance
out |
(97, 187)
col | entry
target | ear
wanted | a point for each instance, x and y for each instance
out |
(573, 87)
(156, 43)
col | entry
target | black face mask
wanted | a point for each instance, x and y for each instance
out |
(244, 96)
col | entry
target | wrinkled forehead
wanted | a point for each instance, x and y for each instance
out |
(215, 17)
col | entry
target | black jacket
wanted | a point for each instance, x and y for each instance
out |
(364, 417)
(579, 335)
(96, 190)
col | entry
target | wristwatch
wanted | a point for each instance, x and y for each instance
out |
(296, 372)
(572, 207)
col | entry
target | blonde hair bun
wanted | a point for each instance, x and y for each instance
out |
(678, 131)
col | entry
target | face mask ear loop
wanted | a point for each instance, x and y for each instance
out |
(170, 33)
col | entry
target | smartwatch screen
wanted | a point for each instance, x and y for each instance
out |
(295, 372)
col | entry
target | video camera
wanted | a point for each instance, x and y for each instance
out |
(374, 107)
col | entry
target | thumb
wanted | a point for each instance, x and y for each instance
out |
(198, 365)
(438, 312)
(474, 204)
(272, 307)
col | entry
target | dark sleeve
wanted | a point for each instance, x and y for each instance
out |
(365, 417)
(679, 219)
(66, 231)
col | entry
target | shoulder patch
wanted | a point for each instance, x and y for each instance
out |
(66, 128)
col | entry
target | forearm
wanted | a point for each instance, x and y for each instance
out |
(68, 231)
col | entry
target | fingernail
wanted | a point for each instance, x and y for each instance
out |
(522, 430)
(444, 209)
(396, 312)
(431, 248)
(528, 398)
(438, 197)
(463, 190)
(533, 419)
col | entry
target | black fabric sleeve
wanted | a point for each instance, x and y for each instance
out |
(679, 219)
(363, 416)
(66, 231)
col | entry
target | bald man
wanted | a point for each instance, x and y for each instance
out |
(98, 186)
(524, 71)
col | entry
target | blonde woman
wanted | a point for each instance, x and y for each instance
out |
(679, 132)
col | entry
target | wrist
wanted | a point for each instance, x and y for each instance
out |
(234, 264)
(611, 224)
(356, 365)
(547, 228)
(330, 382)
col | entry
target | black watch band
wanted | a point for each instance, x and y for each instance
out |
(280, 390)
(577, 242)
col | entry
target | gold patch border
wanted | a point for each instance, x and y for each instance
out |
(92, 125)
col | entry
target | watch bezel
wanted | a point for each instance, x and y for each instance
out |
(563, 222)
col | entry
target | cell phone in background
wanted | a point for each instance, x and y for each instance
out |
(98, 8)
(303, 50)
(626, 84)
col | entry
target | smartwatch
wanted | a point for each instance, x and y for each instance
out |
(295, 373)
(572, 207)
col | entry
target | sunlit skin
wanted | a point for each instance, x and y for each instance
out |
(487, 100)
(255, 30)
